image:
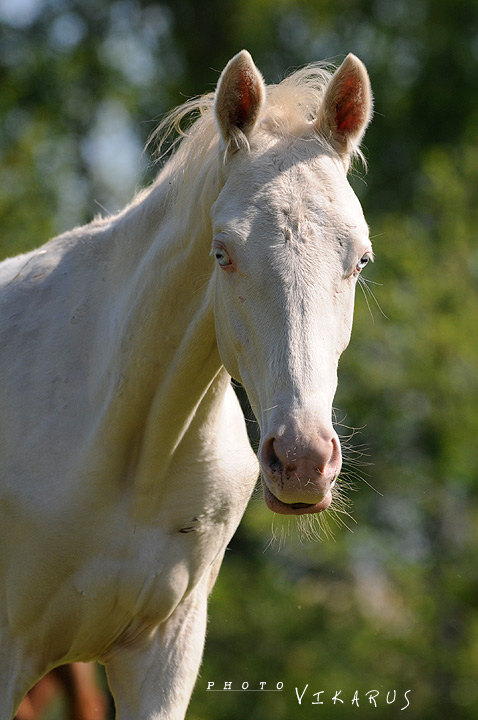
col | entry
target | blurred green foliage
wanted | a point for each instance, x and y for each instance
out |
(393, 603)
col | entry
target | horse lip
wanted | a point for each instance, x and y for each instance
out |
(282, 508)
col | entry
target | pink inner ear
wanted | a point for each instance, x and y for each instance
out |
(348, 110)
(246, 96)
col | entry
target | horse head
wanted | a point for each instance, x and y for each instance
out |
(289, 240)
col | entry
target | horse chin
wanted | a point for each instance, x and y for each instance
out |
(282, 508)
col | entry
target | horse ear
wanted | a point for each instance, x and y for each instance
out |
(347, 106)
(240, 95)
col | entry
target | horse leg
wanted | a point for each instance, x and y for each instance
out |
(153, 678)
(38, 698)
(78, 683)
(86, 701)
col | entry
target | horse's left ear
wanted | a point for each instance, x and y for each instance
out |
(347, 106)
(240, 95)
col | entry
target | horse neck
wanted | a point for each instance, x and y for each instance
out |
(162, 360)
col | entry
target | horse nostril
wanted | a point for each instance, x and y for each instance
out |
(269, 458)
(311, 460)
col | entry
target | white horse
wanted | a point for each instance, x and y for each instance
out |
(125, 463)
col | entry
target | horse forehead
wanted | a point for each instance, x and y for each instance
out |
(321, 188)
(290, 192)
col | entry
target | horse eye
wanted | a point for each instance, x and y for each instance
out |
(221, 256)
(364, 260)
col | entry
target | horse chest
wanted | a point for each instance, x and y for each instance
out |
(119, 598)
(168, 558)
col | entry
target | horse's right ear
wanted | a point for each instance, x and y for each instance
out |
(240, 96)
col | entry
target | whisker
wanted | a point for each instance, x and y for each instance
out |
(335, 516)
(365, 287)
(362, 287)
(201, 282)
(370, 282)
(349, 451)
(355, 449)
(372, 487)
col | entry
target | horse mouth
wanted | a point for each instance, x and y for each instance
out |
(297, 508)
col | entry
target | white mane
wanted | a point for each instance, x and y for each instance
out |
(291, 107)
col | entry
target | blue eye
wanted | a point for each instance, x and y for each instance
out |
(364, 260)
(221, 255)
